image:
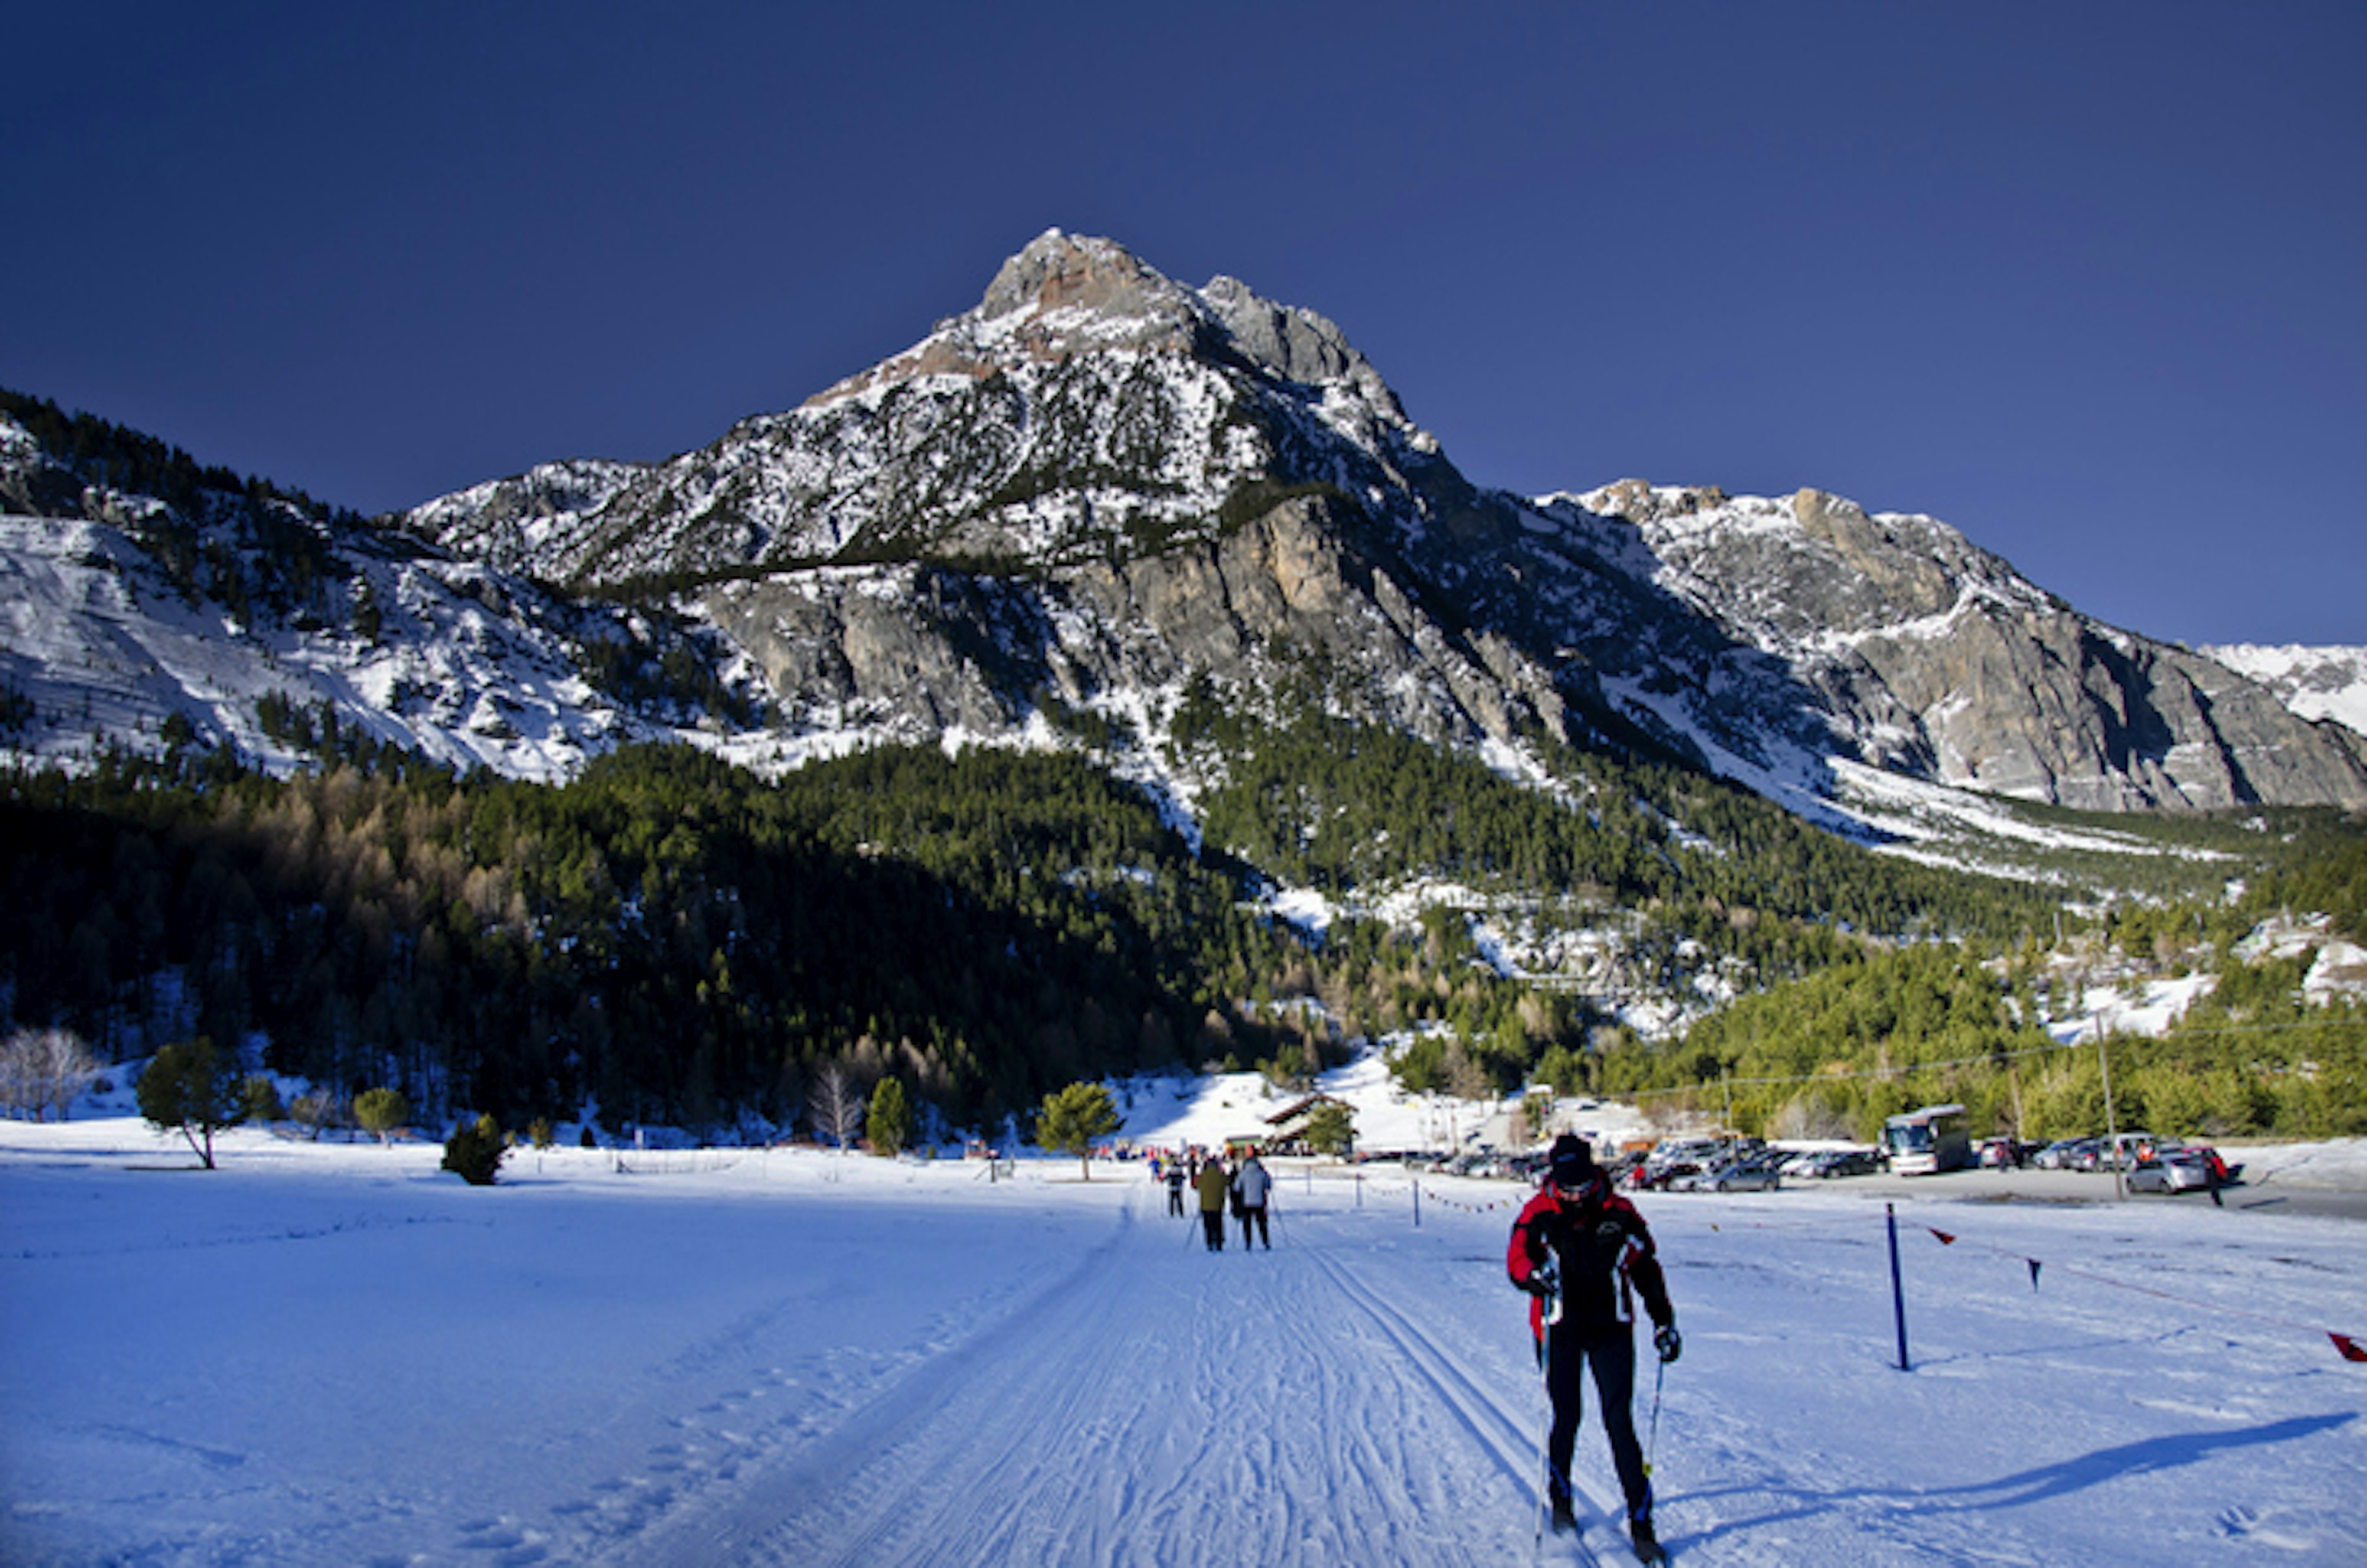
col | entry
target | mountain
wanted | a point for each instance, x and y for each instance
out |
(1060, 512)
(1935, 659)
(2322, 684)
(233, 614)
(1098, 482)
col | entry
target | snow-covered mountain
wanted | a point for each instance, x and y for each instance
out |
(1099, 486)
(1932, 659)
(1098, 481)
(228, 619)
(2319, 684)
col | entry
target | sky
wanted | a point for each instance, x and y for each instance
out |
(2089, 283)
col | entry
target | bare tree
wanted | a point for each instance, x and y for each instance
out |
(836, 1109)
(43, 1070)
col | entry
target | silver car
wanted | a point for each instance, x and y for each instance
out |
(1754, 1175)
(2176, 1170)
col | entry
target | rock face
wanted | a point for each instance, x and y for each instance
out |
(1098, 483)
(1933, 657)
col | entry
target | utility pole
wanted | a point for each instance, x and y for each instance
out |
(2112, 1125)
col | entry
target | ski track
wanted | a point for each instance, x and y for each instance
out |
(1130, 1412)
(1041, 1376)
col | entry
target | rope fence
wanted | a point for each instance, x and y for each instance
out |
(2347, 1345)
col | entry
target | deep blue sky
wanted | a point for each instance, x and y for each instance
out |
(2087, 280)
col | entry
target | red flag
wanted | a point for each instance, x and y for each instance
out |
(2352, 1349)
(1945, 1239)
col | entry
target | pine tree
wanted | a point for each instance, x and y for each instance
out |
(1073, 1117)
(193, 1089)
(1330, 1128)
(382, 1110)
(890, 1124)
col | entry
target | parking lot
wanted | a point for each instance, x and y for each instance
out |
(2090, 1187)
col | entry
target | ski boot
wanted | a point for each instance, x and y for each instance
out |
(1648, 1545)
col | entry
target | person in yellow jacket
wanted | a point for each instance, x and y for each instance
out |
(1213, 1184)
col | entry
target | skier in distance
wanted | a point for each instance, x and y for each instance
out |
(1251, 1187)
(1213, 1185)
(1582, 1253)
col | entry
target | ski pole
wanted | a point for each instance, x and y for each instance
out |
(1545, 1437)
(1652, 1443)
(1547, 1313)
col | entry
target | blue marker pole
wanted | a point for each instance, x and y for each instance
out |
(1897, 1290)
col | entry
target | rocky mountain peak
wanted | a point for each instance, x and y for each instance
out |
(1065, 295)
(1066, 282)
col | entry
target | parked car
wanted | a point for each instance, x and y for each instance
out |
(2057, 1155)
(1753, 1173)
(1830, 1163)
(2097, 1153)
(2177, 1171)
(2181, 1168)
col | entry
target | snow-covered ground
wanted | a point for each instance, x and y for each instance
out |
(331, 1353)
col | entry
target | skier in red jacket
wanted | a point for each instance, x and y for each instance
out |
(1582, 1253)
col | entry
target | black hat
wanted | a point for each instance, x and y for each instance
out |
(1573, 1161)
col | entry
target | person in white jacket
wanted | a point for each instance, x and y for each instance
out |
(1251, 1185)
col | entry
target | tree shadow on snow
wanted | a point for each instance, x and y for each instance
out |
(2045, 1481)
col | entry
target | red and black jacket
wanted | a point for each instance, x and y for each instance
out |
(1604, 1253)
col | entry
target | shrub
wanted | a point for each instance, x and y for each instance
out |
(474, 1152)
(263, 1103)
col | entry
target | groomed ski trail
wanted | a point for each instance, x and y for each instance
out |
(1154, 1401)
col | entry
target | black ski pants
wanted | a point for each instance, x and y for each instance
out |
(1212, 1225)
(1611, 1352)
(1254, 1214)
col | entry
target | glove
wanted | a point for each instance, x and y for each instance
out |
(1541, 1283)
(1668, 1342)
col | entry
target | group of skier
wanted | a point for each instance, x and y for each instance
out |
(1244, 1189)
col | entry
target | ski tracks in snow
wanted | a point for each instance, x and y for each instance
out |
(1151, 1407)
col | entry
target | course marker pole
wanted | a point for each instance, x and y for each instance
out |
(1898, 1289)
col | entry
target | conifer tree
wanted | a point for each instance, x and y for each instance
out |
(1073, 1117)
(474, 1152)
(889, 1123)
(193, 1089)
(1330, 1128)
(382, 1110)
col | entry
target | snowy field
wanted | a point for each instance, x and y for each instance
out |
(333, 1354)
